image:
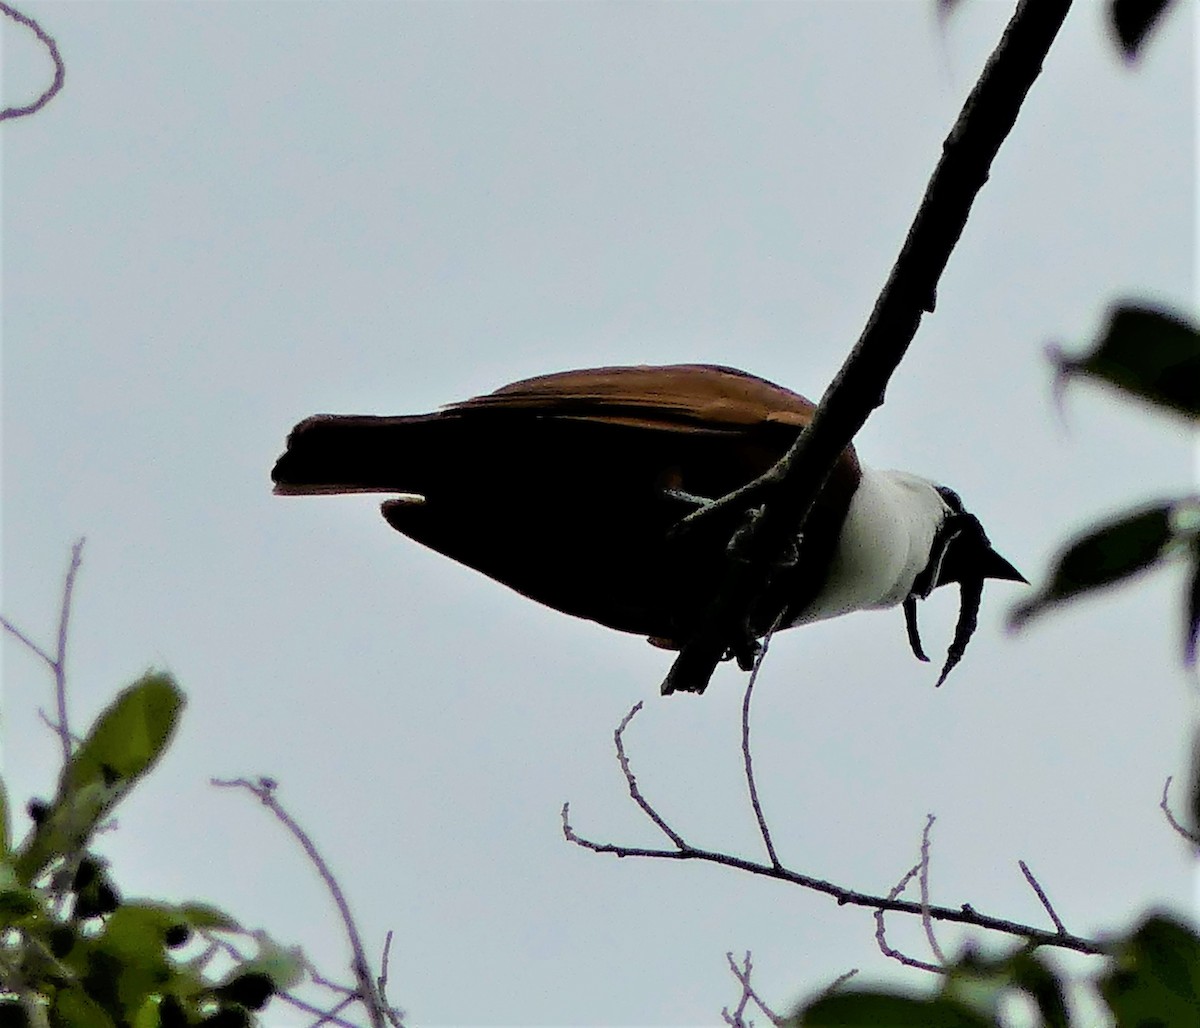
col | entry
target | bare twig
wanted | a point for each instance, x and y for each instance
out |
(881, 930)
(394, 1015)
(1165, 807)
(965, 914)
(634, 791)
(58, 662)
(839, 981)
(926, 920)
(1038, 891)
(747, 761)
(749, 995)
(264, 789)
(60, 70)
(792, 485)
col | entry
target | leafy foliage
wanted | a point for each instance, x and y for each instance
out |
(73, 953)
(1147, 352)
(1152, 978)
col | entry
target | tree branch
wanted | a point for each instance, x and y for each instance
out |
(60, 70)
(378, 1011)
(792, 485)
(965, 914)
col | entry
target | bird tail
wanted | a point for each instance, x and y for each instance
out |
(350, 453)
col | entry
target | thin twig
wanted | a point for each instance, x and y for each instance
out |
(881, 930)
(1036, 886)
(742, 974)
(60, 70)
(839, 981)
(60, 662)
(926, 920)
(747, 761)
(966, 914)
(1165, 807)
(264, 789)
(29, 643)
(393, 1015)
(634, 791)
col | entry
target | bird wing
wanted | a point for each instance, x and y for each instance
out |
(685, 397)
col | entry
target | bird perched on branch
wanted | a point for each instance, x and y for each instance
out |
(568, 488)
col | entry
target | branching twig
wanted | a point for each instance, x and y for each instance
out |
(965, 914)
(1165, 807)
(264, 789)
(792, 485)
(58, 662)
(1036, 886)
(881, 930)
(60, 70)
(736, 1019)
(634, 791)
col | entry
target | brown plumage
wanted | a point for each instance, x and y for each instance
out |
(565, 486)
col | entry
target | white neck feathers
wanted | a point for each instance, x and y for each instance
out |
(884, 544)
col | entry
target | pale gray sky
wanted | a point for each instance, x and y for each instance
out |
(239, 214)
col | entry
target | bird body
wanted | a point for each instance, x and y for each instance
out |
(566, 488)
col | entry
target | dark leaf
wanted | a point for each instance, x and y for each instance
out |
(12, 1014)
(1151, 354)
(1132, 20)
(248, 989)
(1156, 978)
(202, 915)
(1102, 557)
(872, 1009)
(1037, 979)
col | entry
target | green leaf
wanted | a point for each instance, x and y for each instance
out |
(1151, 354)
(872, 1009)
(18, 903)
(1156, 978)
(1132, 20)
(1102, 557)
(123, 744)
(128, 737)
(207, 918)
(74, 1008)
(5, 826)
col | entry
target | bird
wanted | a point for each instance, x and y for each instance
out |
(568, 488)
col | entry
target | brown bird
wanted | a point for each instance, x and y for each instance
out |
(566, 487)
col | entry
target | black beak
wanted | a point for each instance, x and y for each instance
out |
(992, 565)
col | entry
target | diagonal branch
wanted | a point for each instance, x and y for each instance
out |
(368, 990)
(792, 485)
(966, 914)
